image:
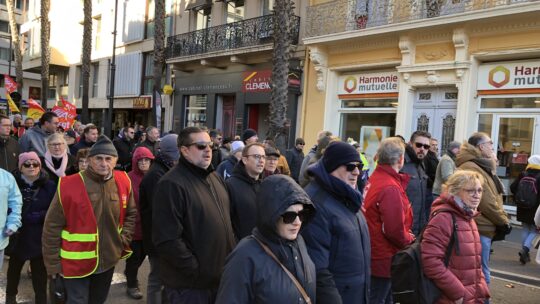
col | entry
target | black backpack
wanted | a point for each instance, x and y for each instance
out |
(409, 284)
(527, 193)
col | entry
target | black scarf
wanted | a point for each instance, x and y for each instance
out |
(487, 165)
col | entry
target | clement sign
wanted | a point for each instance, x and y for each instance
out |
(369, 83)
(257, 81)
(509, 75)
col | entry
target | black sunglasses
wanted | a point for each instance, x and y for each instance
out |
(419, 145)
(351, 167)
(27, 165)
(290, 216)
(202, 145)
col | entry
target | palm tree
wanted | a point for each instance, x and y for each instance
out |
(45, 50)
(86, 57)
(16, 44)
(159, 49)
(283, 28)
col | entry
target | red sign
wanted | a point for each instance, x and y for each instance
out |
(10, 84)
(258, 81)
(66, 114)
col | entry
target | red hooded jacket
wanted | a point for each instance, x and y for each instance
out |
(136, 177)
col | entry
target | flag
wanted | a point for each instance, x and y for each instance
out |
(34, 109)
(66, 113)
(12, 107)
(10, 84)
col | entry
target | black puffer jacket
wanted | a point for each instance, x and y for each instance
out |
(417, 191)
(9, 153)
(251, 275)
(526, 215)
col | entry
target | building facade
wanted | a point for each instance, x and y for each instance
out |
(384, 67)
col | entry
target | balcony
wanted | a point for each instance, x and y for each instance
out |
(342, 16)
(245, 34)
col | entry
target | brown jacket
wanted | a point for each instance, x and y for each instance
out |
(104, 198)
(491, 206)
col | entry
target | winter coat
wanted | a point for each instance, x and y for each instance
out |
(446, 167)
(146, 195)
(192, 229)
(34, 140)
(242, 192)
(52, 176)
(417, 191)
(216, 156)
(226, 167)
(224, 152)
(103, 195)
(10, 206)
(526, 215)
(491, 209)
(305, 164)
(136, 177)
(152, 146)
(389, 217)
(82, 144)
(294, 158)
(124, 147)
(338, 240)
(250, 274)
(430, 163)
(463, 278)
(9, 153)
(37, 198)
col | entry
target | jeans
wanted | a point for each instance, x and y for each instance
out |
(1, 258)
(154, 289)
(92, 289)
(528, 234)
(133, 263)
(486, 247)
(39, 278)
(381, 291)
(190, 296)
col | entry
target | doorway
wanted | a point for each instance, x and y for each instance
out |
(225, 115)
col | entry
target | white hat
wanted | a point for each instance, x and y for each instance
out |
(534, 160)
(237, 145)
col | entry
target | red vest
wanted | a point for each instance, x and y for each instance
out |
(79, 250)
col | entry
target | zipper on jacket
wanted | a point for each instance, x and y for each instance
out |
(218, 203)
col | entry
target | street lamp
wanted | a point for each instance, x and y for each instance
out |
(108, 123)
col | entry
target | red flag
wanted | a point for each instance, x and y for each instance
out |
(34, 109)
(10, 84)
(66, 113)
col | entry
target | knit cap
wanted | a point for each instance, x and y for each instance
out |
(534, 160)
(237, 146)
(103, 145)
(23, 157)
(248, 133)
(168, 147)
(339, 153)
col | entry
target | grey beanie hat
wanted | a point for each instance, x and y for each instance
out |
(453, 145)
(103, 145)
(168, 147)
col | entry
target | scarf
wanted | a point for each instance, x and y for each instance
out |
(487, 165)
(61, 171)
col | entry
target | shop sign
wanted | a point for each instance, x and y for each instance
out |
(509, 75)
(142, 102)
(368, 83)
(257, 81)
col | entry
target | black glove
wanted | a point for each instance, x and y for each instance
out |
(505, 229)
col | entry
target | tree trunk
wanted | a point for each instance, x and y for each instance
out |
(283, 23)
(45, 50)
(16, 44)
(159, 59)
(86, 58)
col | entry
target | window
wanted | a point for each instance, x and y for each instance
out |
(196, 110)
(203, 18)
(5, 54)
(150, 15)
(148, 78)
(95, 79)
(97, 28)
(268, 7)
(4, 26)
(79, 70)
(235, 11)
(18, 4)
(53, 82)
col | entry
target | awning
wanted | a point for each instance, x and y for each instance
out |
(197, 4)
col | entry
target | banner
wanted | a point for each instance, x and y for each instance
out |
(12, 107)
(509, 75)
(10, 84)
(66, 114)
(368, 83)
(35, 111)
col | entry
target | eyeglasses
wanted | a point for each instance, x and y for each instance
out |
(351, 167)
(290, 216)
(202, 145)
(257, 156)
(28, 165)
(486, 142)
(473, 191)
(420, 145)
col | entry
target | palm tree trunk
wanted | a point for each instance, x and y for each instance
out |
(86, 58)
(159, 49)
(16, 44)
(45, 50)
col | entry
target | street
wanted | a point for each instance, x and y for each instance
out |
(512, 283)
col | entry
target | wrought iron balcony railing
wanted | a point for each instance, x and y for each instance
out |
(246, 33)
(348, 15)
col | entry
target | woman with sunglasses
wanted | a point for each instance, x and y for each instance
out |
(459, 276)
(37, 192)
(57, 160)
(251, 274)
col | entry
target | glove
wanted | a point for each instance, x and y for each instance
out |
(506, 229)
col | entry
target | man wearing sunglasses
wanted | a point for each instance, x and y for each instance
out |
(191, 224)
(338, 237)
(417, 191)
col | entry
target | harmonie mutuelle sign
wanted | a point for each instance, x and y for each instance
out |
(516, 75)
(368, 85)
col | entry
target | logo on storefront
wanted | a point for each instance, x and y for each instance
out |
(368, 83)
(349, 84)
(259, 81)
(499, 76)
(142, 102)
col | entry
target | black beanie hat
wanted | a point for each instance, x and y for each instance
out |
(248, 133)
(339, 153)
(103, 145)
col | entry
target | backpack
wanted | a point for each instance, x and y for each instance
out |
(409, 284)
(527, 194)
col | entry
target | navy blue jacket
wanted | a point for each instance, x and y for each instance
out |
(250, 274)
(338, 240)
(417, 190)
(226, 167)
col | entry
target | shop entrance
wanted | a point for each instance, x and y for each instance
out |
(225, 115)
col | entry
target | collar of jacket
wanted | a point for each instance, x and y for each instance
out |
(96, 177)
(410, 155)
(402, 178)
(241, 172)
(203, 173)
(42, 179)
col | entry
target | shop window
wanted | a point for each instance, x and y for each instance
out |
(485, 122)
(95, 79)
(196, 110)
(148, 78)
(370, 103)
(510, 102)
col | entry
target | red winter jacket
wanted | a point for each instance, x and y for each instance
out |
(136, 177)
(389, 217)
(463, 277)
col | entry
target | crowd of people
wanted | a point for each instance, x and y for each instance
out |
(236, 220)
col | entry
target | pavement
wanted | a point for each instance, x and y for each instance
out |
(512, 283)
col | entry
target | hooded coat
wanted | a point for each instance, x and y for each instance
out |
(34, 140)
(491, 208)
(136, 176)
(250, 274)
(445, 169)
(226, 167)
(338, 240)
(417, 191)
